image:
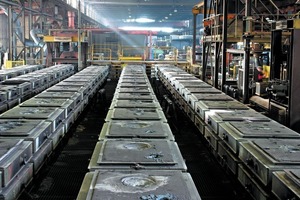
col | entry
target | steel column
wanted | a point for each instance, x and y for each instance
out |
(10, 33)
(194, 38)
(224, 46)
(247, 52)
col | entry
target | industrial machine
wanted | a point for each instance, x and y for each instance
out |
(284, 81)
(63, 46)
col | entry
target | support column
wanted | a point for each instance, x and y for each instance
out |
(247, 41)
(224, 47)
(79, 38)
(194, 38)
(10, 33)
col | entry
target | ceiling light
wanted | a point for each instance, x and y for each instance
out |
(133, 28)
(175, 10)
(170, 14)
(144, 20)
(166, 17)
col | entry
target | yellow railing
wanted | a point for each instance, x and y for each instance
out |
(10, 64)
(133, 53)
(108, 51)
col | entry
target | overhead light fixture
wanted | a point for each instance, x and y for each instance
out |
(134, 28)
(144, 20)
(166, 17)
(170, 14)
(175, 10)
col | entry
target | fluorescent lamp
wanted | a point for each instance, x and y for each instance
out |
(135, 28)
(144, 20)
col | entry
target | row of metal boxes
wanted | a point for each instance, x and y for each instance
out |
(263, 154)
(19, 70)
(20, 88)
(30, 131)
(136, 156)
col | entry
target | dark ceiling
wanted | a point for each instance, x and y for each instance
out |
(115, 13)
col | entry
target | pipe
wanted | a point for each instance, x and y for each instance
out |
(71, 18)
(37, 41)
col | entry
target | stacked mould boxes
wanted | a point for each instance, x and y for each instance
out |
(261, 153)
(28, 81)
(31, 131)
(136, 156)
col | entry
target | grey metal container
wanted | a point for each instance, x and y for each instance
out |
(137, 154)
(124, 185)
(136, 129)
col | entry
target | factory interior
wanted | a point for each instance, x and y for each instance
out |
(149, 100)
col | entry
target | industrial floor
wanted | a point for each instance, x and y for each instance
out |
(62, 176)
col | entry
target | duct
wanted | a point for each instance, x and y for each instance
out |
(37, 41)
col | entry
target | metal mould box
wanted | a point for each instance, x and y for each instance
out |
(77, 97)
(204, 106)
(14, 154)
(73, 80)
(185, 90)
(135, 95)
(208, 95)
(134, 76)
(3, 97)
(135, 89)
(12, 91)
(179, 84)
(124, 185)
(181, 77)
(83, 78)
(135, 81)
(83, 91)
(286, 184)
(86, 87)
(51, 76)
(169, 74)
(23, 86)
(36, 131)
(136, 129)
(133, 85)
(135, 114)
(255, 189)
(14, 189)
(227, 158)
(216, 117)
(67, 104)
(234, 132)
(141, 76)
(35, 82)
(264, 156)
(194, 100)
(137, 154)
(135, 103)
(54, 115)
